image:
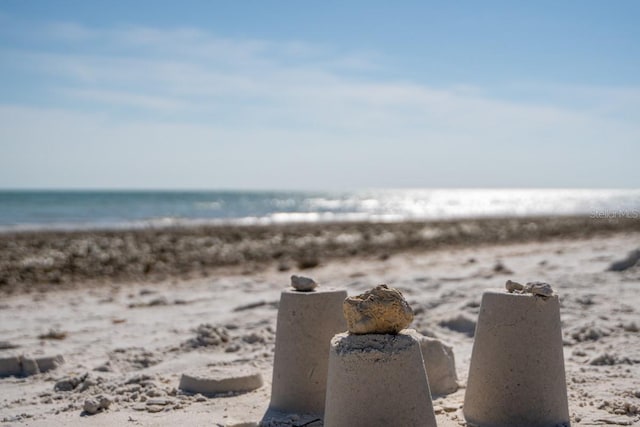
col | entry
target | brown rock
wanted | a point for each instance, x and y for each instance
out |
(382, 310)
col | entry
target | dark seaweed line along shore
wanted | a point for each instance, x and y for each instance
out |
(54, 257)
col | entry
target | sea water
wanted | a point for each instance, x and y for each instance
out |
(25, 210)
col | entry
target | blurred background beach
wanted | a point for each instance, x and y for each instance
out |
(152, 118)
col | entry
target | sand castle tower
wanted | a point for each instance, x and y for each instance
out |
(376, 371)
(308, 317)
(516, 375)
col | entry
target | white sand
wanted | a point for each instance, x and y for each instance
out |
(148, 346)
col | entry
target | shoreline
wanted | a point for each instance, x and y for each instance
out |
(171, 223)
(36, 259)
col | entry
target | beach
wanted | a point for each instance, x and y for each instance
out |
(351, 214)
(33, 259)
(130, 311)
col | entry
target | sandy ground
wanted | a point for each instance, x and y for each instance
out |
(133, 341)
(61, 258)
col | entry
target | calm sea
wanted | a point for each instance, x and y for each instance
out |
(20, 210)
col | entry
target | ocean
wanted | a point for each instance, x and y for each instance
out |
(38, 210)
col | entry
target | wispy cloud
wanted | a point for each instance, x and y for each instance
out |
(187, 62)
(129, 82)
(126, 98)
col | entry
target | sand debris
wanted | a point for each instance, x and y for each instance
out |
(6, 345)
(250, 306)
(140, 392)
(25, 366)
(208, 335)
(70, 383)
(588, 332)
(381, 310)
(159, 301)
(609, 421)
(608, 359)
(53, 334)
(155, 302)
(460, 323)
(93, 405)
(275, 418)
(500, 268)
(632, 259)
(308, 262)
(132, 358)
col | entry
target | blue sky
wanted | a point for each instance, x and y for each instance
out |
(319, 95)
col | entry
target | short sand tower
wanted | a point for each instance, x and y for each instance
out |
(307, 320)
(376, 370)
(377, 380)
(516, 374)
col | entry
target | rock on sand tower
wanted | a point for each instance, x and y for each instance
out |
(516, 375)
(307, 319)
(376, 371)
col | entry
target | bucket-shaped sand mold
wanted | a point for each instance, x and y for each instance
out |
(516, 374)
(377, 380)
(306, 323)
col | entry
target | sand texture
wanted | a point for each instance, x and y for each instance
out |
(31, 258)
(126, 339)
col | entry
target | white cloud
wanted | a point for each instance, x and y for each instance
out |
(212, 110)
(126, 98)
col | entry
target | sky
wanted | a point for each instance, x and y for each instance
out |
(324, 95)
